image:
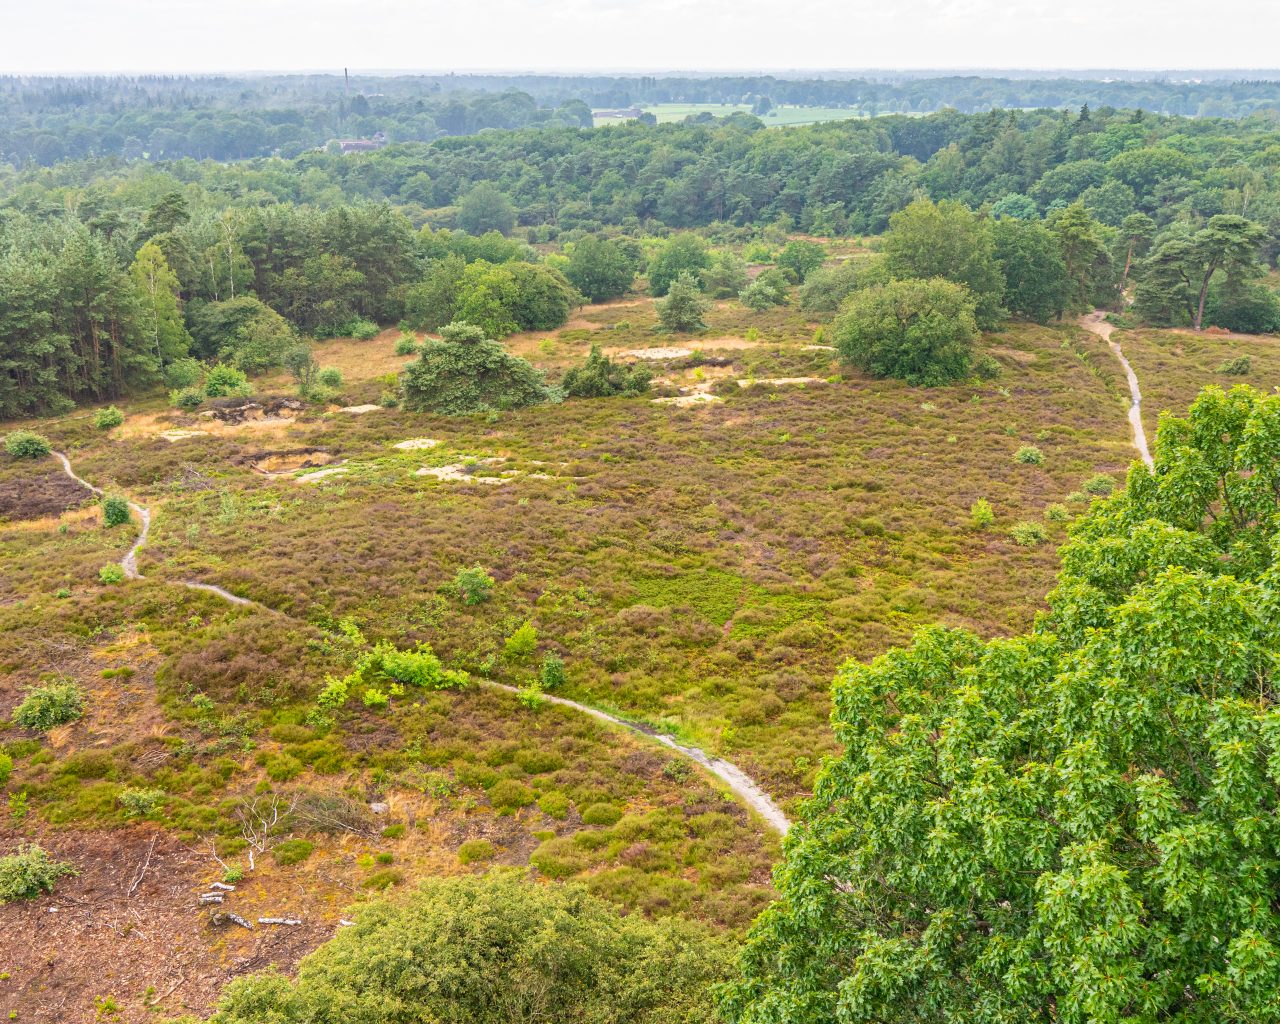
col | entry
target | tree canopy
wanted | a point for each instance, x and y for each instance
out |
(466, 372)
(1074, 825)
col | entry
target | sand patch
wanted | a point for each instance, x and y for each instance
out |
(178, 434)
(468, 471)
(685, 401)
(746, 382)
(359, 410)
(273, 464)
(1016, 355)
(660, 352)
(818, 348)
(321, 474)
(416, 444)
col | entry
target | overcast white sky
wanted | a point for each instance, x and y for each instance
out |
(623, 35)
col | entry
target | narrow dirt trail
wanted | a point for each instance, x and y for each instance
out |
(739, 782)
(1095, 323)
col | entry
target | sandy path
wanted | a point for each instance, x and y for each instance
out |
(738, 781)
(1096, 323)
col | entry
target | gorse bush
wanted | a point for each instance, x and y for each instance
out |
(26, 444)
(106, 419)
(1075, 824)
(492, 949)
(115, 510)
(50, 705)
(30, 873)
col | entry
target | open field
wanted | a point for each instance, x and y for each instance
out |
(780, 116)
(702, 569)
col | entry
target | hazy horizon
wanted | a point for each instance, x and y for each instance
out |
(627, 36)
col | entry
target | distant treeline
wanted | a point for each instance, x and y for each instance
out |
(47, 120)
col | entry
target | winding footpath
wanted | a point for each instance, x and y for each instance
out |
(1096, 323)
(738, 781)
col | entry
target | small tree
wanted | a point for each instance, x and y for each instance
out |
(800, 258)
(302, 367)
(684, 307)
(465, 372)
(601, 377)
(473, 585)
(918, 331)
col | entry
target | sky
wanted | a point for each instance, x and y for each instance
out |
(631, 35)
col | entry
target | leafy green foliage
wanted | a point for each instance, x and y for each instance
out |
(918, 331)
(26, 444)
(466, 373)
(488, 950)
(50, 705)
(223, 381)
(1074, 824)
(106, 419)
(115, 511)
(1028, 534)
(684, 308)
(1029, 455)
(601, 377)
(111, 574)
(242, 332)
(1240, 366)
(522, 643)
(484, 209)
(292, 851)
(474, 850)
(473, 585)
(30, 873)
(681, 255)
(139, 803)
(800, 258)
(600, 268)
(981, 514)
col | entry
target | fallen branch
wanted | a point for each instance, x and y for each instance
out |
(279, 920)
(142, 870)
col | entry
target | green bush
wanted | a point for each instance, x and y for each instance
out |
(138, 803)
(330, 377)
(602, 814)
(6, 767)
(1100, 485)
(491, 948)
(380, 881)
(554, 805)
(987, 368)
(551, 675)
(407, 344)
(183, 373)
(476, 849)
(187, 399)
(1057, 512)
(359, 328)
(26, 444)
(601, 377)
(111, 574)
(226, 381)
(509, 795)
(981, 514)
(521, 644)
(106, 419)
(1241, 366)
(1029, 455)
(466, 372)
(292, 851)
(1028, 534)
(115, 511)
(29, 873)
(473, 585)
(393, 832)
(48, 706)
(684, 308)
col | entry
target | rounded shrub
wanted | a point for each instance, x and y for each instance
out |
(29, 873)
(1029, 455)
(981, 514)
(222, 381)
(554, 805)
(111, 574)
(105, 419)
(292, 851)
(510, 795)
(1100, 485)
(602, 814)
(115, 511)
(187, 399)
(26, 444)
(330, 377)
(50, 705)
(1028, 534)
(476, 849)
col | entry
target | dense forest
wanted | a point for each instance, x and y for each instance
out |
(46, 120)
(113, 271)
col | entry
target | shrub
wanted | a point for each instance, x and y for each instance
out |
(115, 511)
(473, 585)
(800, 258)
(1057, 513)
(330, 377)
(522, 643)
(684, 308)
(1238, 367)
(111, 574)
(1028, 534)
(602, 814)
(765, 292)
(48, 706)
(380, 881)
(29, 873)
(393, 832)
(6, 767)
(494, 947)
(292, 851)
(359, 328)
(601, 377)
(138, 803)
(986, 367)
(981, 514)
(554, 805)
(226, 381)
(1100, 485)
(105, 419)
(466, 373)
(551, 675)
(531, 697)
(509, 794)
(406, 344)
(1029, 455)
(476, 849)
(918, 331)
(187, 399)
(183, 373)
(26, 444)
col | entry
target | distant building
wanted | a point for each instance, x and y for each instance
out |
(362, 145)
